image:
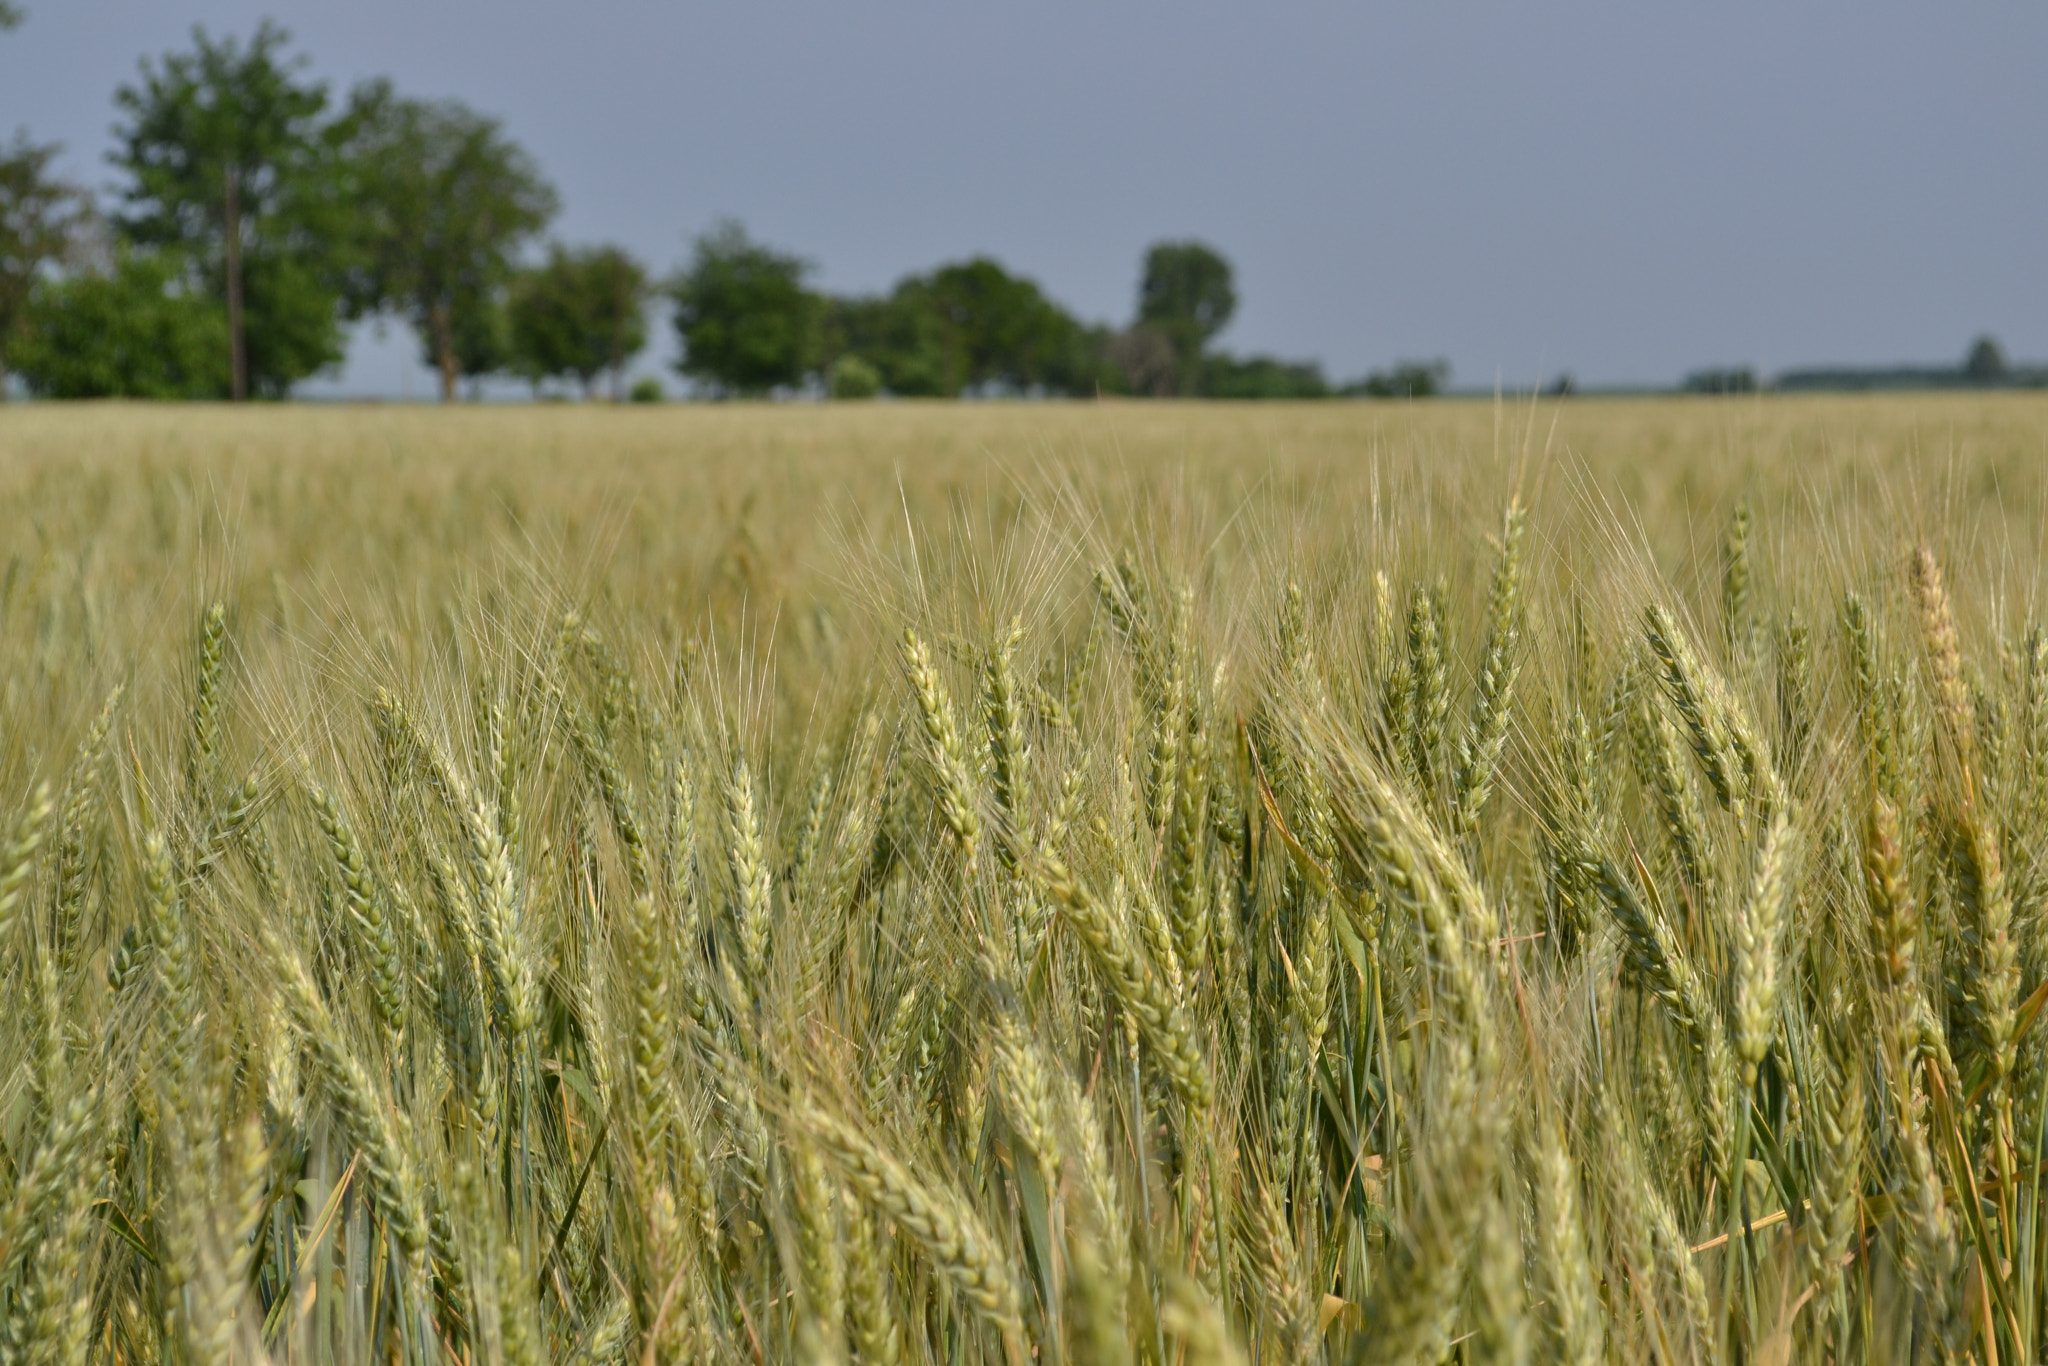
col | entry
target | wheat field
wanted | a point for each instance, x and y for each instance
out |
(1128, 883)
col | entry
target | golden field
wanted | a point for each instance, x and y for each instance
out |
(769, 501)
(1131, 882)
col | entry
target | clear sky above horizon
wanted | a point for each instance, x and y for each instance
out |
(1627, 192)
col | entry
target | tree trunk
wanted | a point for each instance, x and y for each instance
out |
(442, 320)
(238, 346)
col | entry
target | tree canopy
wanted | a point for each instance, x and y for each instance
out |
(1407, 379)
(1000, 329)
(746, 322)
(581, 314)
(969, 325)
(1721, 379)
(445, 202)
(133, 329)
(1262, 377)
(39, 219)
(1985, 363)
(1187, 295)
(895, 338)
(231, 159)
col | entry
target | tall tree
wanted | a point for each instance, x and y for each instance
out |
(745, 320)
(39, 220)
(1187, 296)
(231, 159)
(446, 202)
(582, 313)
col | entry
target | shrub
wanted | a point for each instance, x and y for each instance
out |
(852, 377)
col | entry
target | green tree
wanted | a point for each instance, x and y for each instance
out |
(966, 325)
(998, 328)
(1144, 362)
(1014, 334)
(232, 161)
(134, 329)
(40, 218)
(1408, 379)
(896, 335)
(1262, 377)
(1187, 296)
(1721, 379)
(10, 16)
(582, 313)
(446, 202)
(1986, 363)
(745, 320)
(483, 340)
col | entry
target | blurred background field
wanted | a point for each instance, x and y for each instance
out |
(747, 525)
(298, 489)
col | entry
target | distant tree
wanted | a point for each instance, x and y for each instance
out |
(995, 328)
(899, 336)
(1564, 386)
(1408, 379)
(1735, 379)
(580, 314)
(10, 16)
(40, 218)
(1145, 361)
(1187, 295)
(483, 340)
(745, 320)
(446, 201)
(1986, 362)
(647, 389)
(850, 377)
(617, 286)
(1262, 377)
(133, 329)
(967, 325)
(231, 161)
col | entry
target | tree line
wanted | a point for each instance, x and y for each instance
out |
(259, 212)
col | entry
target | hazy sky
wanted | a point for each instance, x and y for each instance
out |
(1627, 191)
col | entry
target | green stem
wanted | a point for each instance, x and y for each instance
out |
(1739, 1230)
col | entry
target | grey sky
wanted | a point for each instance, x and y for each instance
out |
(1626, 191)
